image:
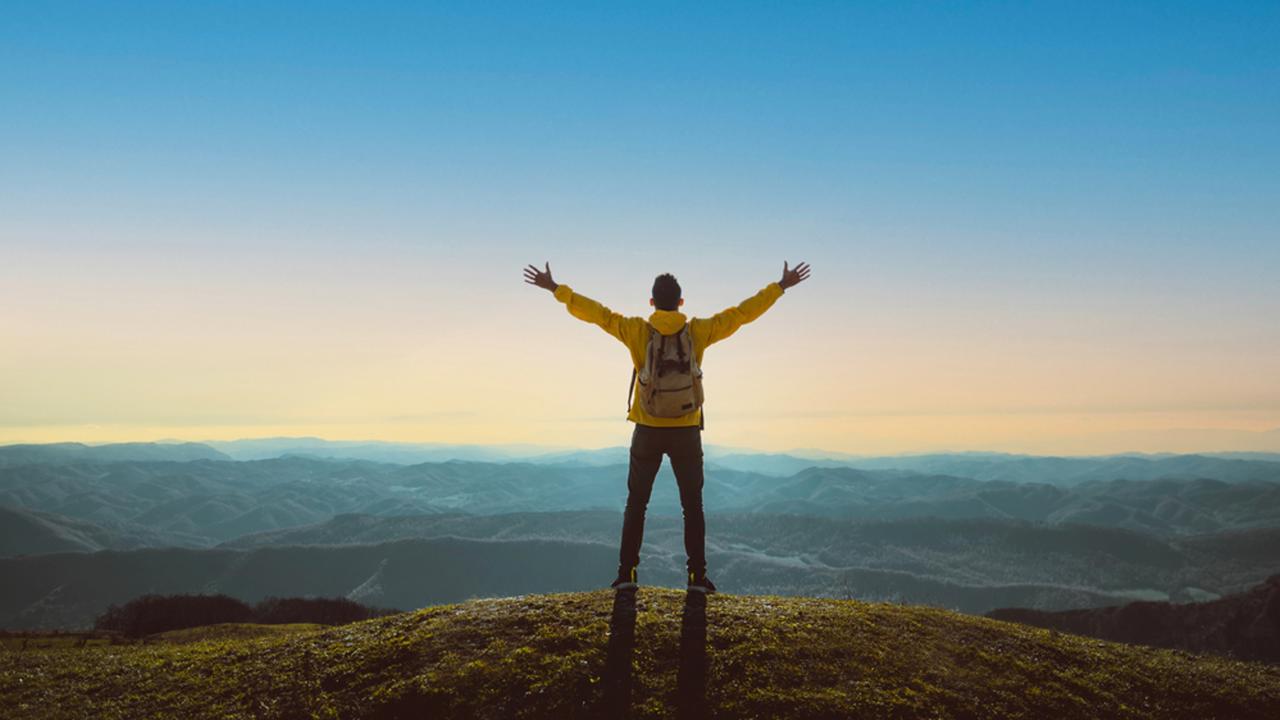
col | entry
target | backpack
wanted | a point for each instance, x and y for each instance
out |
(670, 381)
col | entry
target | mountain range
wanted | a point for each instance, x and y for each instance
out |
(84, 526)
(1226, 466)
(204, 502)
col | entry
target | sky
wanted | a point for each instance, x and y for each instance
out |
(1033, 227)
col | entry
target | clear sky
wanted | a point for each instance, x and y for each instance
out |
(1040, 227)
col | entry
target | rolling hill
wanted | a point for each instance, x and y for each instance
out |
(1071, 471)
(1245, 625)
(806, 555)
(593, 655)
(407, 562)
(71, 452)
(1165, 506)
(68, 590)
(28, 532)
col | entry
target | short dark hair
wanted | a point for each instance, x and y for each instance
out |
(666, 292)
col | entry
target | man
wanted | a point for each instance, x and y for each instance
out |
(658, 431)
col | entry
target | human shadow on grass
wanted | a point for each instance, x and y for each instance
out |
(691, 677)
(617, 664)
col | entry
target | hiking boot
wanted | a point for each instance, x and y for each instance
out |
(626, 578)
(699, 582)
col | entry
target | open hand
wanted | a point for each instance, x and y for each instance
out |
(792, 276)
(534, 276)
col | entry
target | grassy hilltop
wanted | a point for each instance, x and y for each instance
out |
(546, 656)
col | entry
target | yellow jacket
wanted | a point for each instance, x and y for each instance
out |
(634, 333)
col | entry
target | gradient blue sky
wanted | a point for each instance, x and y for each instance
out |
(1048, 227)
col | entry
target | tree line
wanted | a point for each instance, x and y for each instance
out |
(152, 614)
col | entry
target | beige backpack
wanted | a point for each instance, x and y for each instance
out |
(670, 381)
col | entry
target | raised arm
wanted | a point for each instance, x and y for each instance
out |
(725, 323)
(584, 308)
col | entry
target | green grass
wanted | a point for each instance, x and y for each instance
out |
(35, 639)
(231, 631)
(544, 657)
(45, 640)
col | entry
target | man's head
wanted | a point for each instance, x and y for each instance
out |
(666, 292)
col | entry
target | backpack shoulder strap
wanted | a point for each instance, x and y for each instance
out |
(631, 390)
(686, 336)
(648, 361)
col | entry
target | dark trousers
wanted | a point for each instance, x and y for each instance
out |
(684, 446)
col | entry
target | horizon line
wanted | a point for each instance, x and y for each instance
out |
(550, 449)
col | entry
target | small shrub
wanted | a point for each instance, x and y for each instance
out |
(321, 611)
(152, 614)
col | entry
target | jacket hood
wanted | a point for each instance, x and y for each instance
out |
(668, 322)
